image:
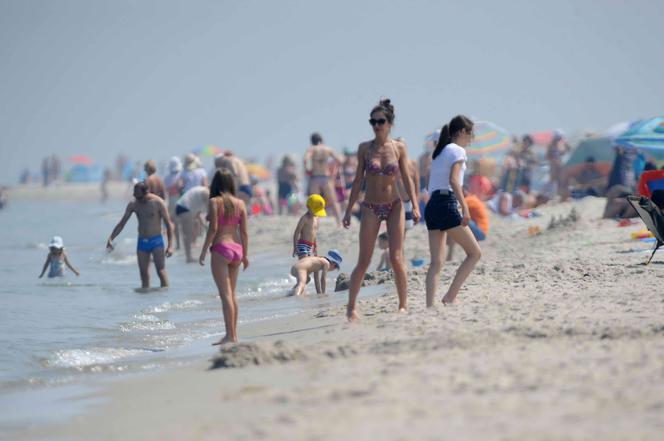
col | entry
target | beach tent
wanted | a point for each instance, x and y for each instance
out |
(599, 148)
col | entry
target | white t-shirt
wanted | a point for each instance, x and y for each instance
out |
(441, 167)
(196, 199)
(193, 178)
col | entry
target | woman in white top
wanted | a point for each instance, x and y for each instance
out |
(442, 211)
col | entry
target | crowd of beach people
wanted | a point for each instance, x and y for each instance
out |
(378, 185)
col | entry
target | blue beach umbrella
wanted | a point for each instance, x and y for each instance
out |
(647, 134)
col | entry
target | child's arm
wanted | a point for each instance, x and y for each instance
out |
(48, 260)
(317, 281)
(381, 262)
(69, 264)
(322, 280)
(296, 234)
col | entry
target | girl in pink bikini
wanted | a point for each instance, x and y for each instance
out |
(227, 233)
(379, 163)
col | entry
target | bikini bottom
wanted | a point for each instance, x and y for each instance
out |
(230, 251)
(381, 210)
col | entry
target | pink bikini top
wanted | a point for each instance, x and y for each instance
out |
(373, 166)
(233, 220)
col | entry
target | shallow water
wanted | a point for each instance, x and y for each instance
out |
(55, 331)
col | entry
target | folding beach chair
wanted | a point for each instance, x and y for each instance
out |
(652, 216)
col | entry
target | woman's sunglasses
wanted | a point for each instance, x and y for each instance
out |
(377, 122)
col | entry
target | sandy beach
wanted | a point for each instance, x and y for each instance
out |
(556, 336)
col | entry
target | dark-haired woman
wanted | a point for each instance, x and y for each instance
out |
(378, 164)
(442, 212)
(227, 233)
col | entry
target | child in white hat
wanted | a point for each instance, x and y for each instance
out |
(319, 267)
(57, 259)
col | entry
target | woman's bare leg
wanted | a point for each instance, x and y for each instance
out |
(464, 237)
(220, 274)
(369, 227)
(233, 272)
(395, 237)
(436, 249)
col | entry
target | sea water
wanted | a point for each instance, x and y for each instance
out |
(57, 331)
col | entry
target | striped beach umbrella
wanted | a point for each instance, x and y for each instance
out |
(647, 134)
(490, 140)
(207, 150)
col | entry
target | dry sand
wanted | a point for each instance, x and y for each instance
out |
(558, 336)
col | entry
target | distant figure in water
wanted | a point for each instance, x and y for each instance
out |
(319, 266)
(227, 238)
(304, 237)
(57, 259)
(150, 211)
(155, 183)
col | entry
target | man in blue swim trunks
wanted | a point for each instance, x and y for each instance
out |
(151, 212)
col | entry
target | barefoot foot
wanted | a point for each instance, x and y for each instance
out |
(224, 341)
(352, 316)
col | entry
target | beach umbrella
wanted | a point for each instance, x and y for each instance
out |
(647, 134)
(543, 137)
(617, 129)
(207, 150)
(259, 171)
(80, 160)
(490, 141)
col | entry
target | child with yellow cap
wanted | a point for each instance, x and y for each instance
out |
(304, 238)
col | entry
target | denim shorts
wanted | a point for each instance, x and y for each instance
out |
(442, 212)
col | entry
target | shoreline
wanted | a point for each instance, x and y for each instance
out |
(555, 336)
(68, 191)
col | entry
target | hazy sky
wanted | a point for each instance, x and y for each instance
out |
(157, 78)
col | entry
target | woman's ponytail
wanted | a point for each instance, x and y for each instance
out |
(443, 140)
(449, 131)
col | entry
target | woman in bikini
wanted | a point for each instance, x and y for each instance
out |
(227, 233)
(442, 211)
(379, 163)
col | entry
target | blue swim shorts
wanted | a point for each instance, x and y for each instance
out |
(246, 189)
(148, 244)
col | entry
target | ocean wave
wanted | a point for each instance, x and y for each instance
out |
(161, 325)
(76, 358)
(168, 306)
(118, 259)
(268, 288)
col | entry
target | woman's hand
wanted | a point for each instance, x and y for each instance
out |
(201, 259)
(416, 213)
(245, 263)
(346, 221)
(465, 218)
